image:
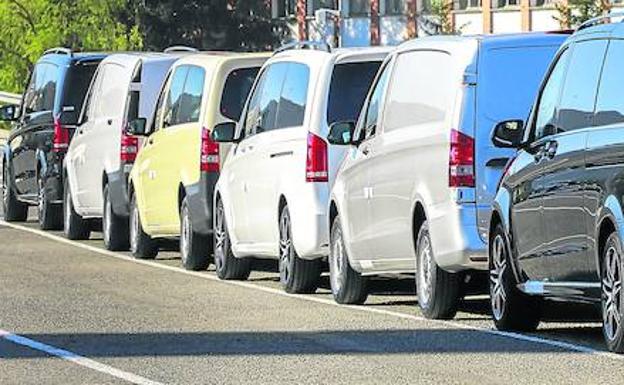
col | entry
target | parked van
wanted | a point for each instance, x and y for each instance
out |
(415, 190)
(556, 229)
(43, 127)
(271, 199)
(101, 154)
(172, 182)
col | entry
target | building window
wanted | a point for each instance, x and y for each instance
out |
(359, 7)
(504, 3)
(324, 4)
(541, 3)
(395, 7)
(461, 5)
(286, 8)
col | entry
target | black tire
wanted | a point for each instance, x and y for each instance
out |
(348, 286)
(14, 210)
(228, 267)
(115, 228)
(194, 248)
(142, 246)
(297, 275)
(612, 300)
(74, 227)
(514, 310)
(50, 215)
(438, 290)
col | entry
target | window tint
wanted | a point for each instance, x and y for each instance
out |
(92, 97)
(173, 96)
(576, 109)
(75, 89)
(42, 89)
(423, 90)
(111, 101)
(292, 102)
(190, 100)
(610, 105)
(348, 88)
(545, 114)
(374, 103)
(235, 91)
(262, 110)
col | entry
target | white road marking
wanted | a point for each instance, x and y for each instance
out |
(203, 275)
(76, 359)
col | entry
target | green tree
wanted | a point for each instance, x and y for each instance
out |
(30, 27)
(575, 12)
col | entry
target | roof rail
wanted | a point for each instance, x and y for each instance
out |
(604, 19)
(59, 50)
(305, 44)
(180, 48)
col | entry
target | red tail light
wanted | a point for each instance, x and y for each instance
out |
(60, 142)
(316, 161)
(129, 148)
(461, 160)
(209, 153)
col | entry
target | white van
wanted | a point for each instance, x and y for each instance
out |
(99, 159)
(416, 188)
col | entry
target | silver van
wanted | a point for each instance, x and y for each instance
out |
(415, 190)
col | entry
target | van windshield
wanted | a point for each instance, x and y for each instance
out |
(509, 80)
(75, 88)
(235, 91)
(349, 86)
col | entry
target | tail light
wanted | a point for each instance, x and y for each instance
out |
(461, 160)
(209, 153)
(316, 161)
(60, 142)
(129, 148)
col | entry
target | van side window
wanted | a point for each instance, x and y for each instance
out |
(545, 116)
(173, 96)
(374, 103)
(610, 104)
(42, 89)
(191, 98)
(576, 109)
(423, 92)
(92, 95)
(263, 105)
(293, 98)
(235, 91)
(110, 101)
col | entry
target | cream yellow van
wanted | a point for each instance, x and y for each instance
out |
(172, 182)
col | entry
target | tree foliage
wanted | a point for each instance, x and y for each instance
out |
(575, 12)
(29, 27)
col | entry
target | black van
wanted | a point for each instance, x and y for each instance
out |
(42, 128)
(558, 221)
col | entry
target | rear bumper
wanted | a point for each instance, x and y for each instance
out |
(200, 198)
(308, 211)
(455, 238)
(118, 190)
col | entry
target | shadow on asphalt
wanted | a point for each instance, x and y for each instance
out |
(415, 341)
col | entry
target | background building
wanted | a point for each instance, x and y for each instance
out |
(389, 22)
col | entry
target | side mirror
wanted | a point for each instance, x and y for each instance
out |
(224, 133)
(8, 112)
(137, 127)
(341, 133)
(508, 134)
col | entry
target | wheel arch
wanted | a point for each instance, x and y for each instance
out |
(181, 195)
(419, 217)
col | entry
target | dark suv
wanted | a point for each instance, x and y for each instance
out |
(43, 126)
(558, 222)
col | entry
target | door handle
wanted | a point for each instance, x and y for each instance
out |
(551, 150)
(150, 141)
(365, 151)
(109, 122)
(280, 154)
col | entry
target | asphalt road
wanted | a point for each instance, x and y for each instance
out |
(72, 313)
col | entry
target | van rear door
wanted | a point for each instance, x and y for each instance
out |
(507, 83)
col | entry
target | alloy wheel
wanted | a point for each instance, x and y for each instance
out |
(5, 191)
(185, 235)
(221, 238)
(612, 293)
(134, 229)
(68, 210)
(285, 248)
(107, 220)
(41, 201)
(425, 273)
(498, 297)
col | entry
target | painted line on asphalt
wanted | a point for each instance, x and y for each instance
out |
(204, 275)
(76, 359)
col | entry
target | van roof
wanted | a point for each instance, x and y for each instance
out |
(339, 55)
(77, 57)
(220, 57)
(490, 41)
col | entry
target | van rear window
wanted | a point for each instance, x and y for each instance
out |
(235, 91)
(349, 86)
(76, 85)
